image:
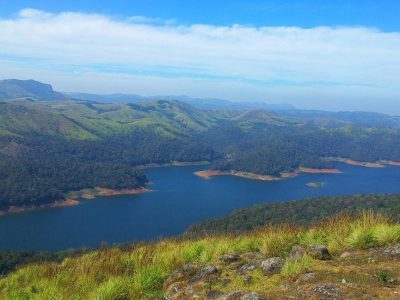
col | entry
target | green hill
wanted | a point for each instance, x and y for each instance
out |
(23, 118)
(89, 120)
(62, 142)
(299, 212)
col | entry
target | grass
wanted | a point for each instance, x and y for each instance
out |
(297, 266)
(138, 271)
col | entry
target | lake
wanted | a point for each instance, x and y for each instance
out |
(178, 199)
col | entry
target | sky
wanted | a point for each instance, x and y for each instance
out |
(332, 55)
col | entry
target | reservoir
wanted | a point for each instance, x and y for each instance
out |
(177, 200)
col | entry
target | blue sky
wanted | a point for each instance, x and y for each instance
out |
(336, 55)
(382, 14)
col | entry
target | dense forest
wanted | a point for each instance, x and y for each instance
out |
(298, 212)
(48, 148)
(46, 168)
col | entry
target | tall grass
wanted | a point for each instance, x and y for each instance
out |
(138, 273)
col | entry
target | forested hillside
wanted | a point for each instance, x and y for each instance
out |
(48, 148)
(298, 212)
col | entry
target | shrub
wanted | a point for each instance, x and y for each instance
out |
(362, 238)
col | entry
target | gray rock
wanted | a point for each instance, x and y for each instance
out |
(328, 291)
(251, 296)
(319, 252)
(239, 295)
(229, 258)
(249, 267)
(393, 251)
(183, 273)
(205, 273)
(297, 252)
(175, 290)
(272, 265)
(235, 265)
(305, 278)
(214, 295)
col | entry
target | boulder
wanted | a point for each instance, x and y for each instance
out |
(324, 291)
(205, 273)
(392, 251)
(175, 291)
(235, 265)
(249, 267)
(305, 278)
(319, 252)
(328, 291)
(297, 252)
(240, 295)
(211, 295)
(272, 265)
(181, 274)
(229, 258)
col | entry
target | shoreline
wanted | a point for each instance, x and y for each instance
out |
(356, 163)
(319, 171)
(208, 174)
(390, 163)
(173, 164)
(88, 194)
(59, 203)
(376, 165)
(72, 199)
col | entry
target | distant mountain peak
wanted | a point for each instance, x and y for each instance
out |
(16, 88)
(204, 103)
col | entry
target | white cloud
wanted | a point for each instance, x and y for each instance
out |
(263, 62)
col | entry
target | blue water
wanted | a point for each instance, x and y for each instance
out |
(178, 200)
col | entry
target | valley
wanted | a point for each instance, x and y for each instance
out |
(199, 150)
(62, 141)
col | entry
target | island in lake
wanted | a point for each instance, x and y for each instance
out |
(208, 174)
(316, 184)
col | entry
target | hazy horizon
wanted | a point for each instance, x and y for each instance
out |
(266, 54)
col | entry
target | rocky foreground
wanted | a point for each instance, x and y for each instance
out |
(316, 274)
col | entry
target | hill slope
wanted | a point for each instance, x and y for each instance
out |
(90, 120)
(299, 212)
(342, 258)
(63, 142)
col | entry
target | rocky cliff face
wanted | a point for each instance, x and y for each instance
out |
(14, 88)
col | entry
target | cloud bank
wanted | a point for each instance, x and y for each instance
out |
(323, 67)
